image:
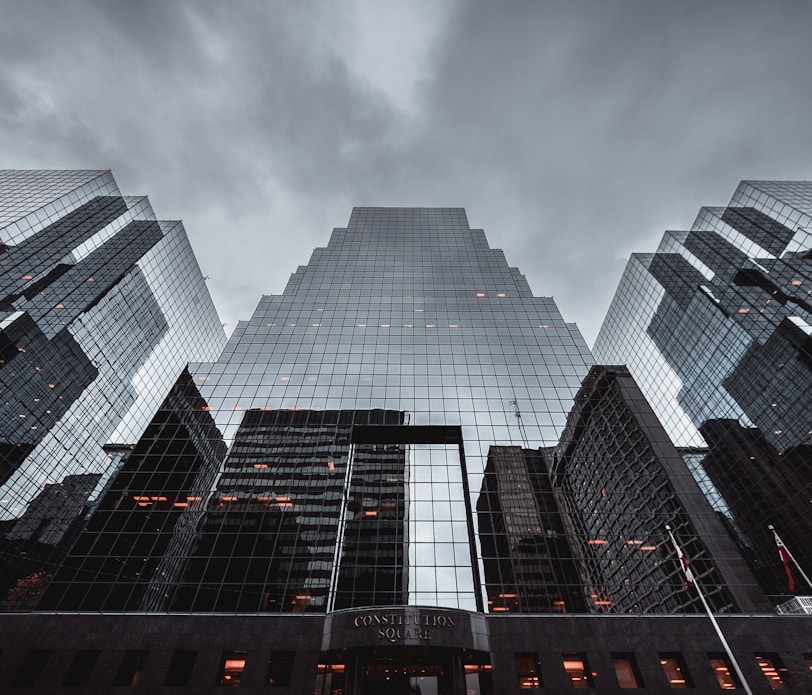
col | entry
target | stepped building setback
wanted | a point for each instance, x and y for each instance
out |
(403, 474)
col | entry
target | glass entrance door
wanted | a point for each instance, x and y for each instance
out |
(404, 680)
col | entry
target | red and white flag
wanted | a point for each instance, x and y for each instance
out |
(689, 577)
(786, 559)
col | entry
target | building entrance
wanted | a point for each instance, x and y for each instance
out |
(404, 671)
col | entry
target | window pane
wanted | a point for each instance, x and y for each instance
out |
(231, 669)
(280, 669)
(180, 668)
(528, 670)
(131, 667)
(723, 672)
(81, 666)
(577, 669)
(628, 675)
(675, 671)
(32, 666)
(773, 669)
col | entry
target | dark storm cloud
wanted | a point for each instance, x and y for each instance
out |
(581, 131)
(573, 132)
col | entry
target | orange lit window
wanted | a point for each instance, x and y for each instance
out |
(528, 671)
(500, 294)
(329, 678)
(232, 666)
(773, 669)
(676, 671)
(284, 502)
(626, 671)
(578, 670)
(480, 294)
(724, 673)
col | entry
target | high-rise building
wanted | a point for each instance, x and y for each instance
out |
(621, 482)
(392, 510)
(101, 307)
(716, 327)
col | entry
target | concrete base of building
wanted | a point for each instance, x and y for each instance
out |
(397, 650)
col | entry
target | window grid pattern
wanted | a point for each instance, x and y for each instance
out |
(726, 361)
(102, 308)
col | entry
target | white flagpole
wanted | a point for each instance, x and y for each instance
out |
(692, 578)
(791, 556)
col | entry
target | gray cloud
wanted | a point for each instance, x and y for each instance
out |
(574, 133)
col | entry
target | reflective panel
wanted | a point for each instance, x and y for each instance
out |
(101, 307)
(715, 327)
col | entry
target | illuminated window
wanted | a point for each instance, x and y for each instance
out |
(528, 671)
(577, 669)
(232, 666)
(724, 672)
(131, 667)
(676, 671)
(773, 669)
(329, 679)
(628, 675)
(280, 669)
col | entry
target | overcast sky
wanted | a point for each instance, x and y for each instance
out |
(573, 132)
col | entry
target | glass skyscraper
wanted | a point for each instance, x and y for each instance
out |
(716, 327)
(401, 475)
(102, 305)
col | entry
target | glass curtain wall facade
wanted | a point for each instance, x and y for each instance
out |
(716, 327)
(391, 422)
(407, 319)
(101, 306)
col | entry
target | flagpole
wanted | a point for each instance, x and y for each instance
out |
(791, 556)
(691, 578)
